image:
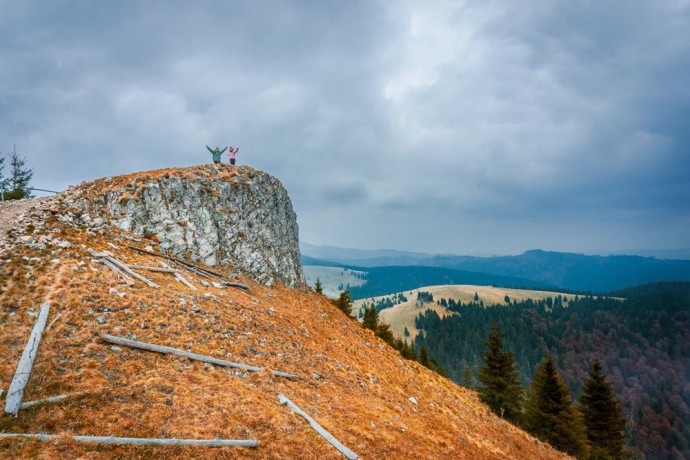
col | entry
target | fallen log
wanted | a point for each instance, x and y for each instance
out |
(175, 351)
(319, 429)
(139, 441)
(128, 281)
(153, 269)
(181, 262)
(237, 285)
(132, 273)
(178, 276)
(123, 267)
(55, 399)
(191, 269)
(21, 376)
(284, 374)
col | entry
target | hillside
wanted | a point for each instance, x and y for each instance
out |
(641, 336)
(349, 381)
(403, 314)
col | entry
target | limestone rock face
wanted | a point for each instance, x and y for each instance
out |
(213, 214)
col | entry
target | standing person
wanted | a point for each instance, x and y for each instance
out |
(216, 153)
(232, 152)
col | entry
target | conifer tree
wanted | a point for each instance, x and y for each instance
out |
(19, 178)
(384, 332)
(318, 287)
(344, 303)
(406, 350)
(370, 320)
(601, 414)
(424, 359)
(550, 414)
(499, 385)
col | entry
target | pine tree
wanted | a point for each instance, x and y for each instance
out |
(549, 413)
(318, 287)
(370, 320)
(500, 388)
(601, 414)
(18, 181)
(344, 303)
(424, 359)
(406, 350)
(383, 331)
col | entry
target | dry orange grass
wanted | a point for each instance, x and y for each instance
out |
(351, 382)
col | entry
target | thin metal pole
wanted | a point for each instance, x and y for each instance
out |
(43, 190)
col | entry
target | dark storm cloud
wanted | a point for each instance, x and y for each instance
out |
(435, 126)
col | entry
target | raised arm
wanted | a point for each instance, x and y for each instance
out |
(226, 147)
(209, 149)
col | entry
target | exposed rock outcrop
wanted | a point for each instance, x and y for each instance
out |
(240, 217)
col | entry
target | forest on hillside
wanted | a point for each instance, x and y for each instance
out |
(388, 280)
(643, 342)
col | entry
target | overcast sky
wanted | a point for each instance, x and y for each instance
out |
(461, 127)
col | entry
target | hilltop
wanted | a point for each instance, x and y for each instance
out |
(353, 384)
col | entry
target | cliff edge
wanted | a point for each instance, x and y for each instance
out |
(212, 214)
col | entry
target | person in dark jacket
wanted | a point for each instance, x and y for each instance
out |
(216, 153)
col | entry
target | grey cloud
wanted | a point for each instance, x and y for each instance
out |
(477, 116)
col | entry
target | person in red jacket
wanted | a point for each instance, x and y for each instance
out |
(231, 153)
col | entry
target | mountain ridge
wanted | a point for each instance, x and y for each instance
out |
(570, 271)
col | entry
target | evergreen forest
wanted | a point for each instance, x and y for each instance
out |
(640, 336)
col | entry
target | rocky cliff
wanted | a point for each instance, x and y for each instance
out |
(212, 214)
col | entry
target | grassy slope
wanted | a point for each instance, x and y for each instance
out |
(360, 394)
(403, 315)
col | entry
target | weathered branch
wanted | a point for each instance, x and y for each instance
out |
(197, 270)
(128, 281)
(57, 317)
(54, 399)
(123, 267)
(175, 351)
(132, 273)
(153, 269)
(21, 376)
(139, 441)
(319, 429)
(284, 374)
(178, 276)
(237, 285)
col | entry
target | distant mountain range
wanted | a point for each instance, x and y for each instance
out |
(576, 272)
